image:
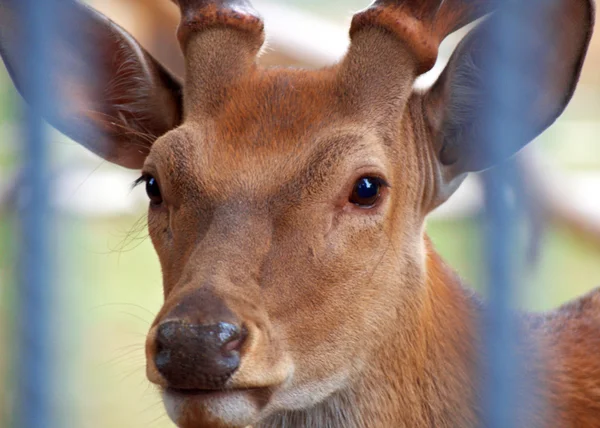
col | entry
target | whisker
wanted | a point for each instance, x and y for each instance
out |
(85, 180)
(150, 407)
(121, 358)
(145, 321)
(158, 419)
(130, 374)
(152, 314)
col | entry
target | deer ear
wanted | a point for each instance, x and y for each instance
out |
(555, 46)
(111, 95)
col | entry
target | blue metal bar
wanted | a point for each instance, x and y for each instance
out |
(36, 263)
(506, 58)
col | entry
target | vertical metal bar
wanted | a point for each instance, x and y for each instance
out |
(500, 233)
(36, 268)
(506, 59)
(499, 337)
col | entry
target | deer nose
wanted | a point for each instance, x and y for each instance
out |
(199, 357)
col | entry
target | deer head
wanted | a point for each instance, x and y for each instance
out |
(287, 207)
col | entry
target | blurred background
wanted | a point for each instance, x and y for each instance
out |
(108, 279)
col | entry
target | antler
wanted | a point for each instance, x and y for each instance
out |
(220, 40)
(198, 15)
(422, 24)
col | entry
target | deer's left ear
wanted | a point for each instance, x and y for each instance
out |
(555, 47)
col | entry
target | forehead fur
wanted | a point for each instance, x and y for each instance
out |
(273, 125)
(286, 103)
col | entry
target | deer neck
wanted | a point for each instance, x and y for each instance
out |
(421, 377)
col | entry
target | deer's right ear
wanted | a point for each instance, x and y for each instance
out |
(111, 95)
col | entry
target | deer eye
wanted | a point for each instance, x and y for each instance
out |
(366, 192)
(153, 190)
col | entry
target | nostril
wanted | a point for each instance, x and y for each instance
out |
(235, 339)
(162, 359)
(166, 332)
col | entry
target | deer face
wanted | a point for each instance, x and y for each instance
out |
(279, 213)
(287, 206)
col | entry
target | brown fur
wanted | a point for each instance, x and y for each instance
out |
(352, 318)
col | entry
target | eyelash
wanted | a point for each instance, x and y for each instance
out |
(139, 181)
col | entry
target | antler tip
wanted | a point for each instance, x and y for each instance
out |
(422, 24)
(198, 15)
(402, 23)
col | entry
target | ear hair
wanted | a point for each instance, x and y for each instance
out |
(464, 106)
(111, 95)
(129, 92)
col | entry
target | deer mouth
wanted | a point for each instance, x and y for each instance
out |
(194, 392)
(224, 407)
(210, 393)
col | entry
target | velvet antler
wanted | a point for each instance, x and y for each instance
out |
(220, 41)
(199, 15)
(422, 24)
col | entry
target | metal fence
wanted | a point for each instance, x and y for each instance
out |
(37, 261)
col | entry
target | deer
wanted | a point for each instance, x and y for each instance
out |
(288, 211)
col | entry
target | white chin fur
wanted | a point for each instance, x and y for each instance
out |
(235, 409)
(173, 406)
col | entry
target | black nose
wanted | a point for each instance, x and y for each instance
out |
(198, 356)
